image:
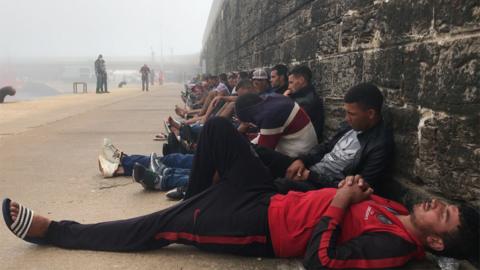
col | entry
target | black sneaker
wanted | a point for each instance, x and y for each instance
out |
(156, 165)
(145, 177)
(177, 194)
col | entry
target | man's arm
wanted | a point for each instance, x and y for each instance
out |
(316, 154)
(297, 170)
(227, 110)
(207, 102)
(376, 164)
(270, 137)
(213, 105)
(369, 250)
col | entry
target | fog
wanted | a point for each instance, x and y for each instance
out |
(80, 28)
(49, 41)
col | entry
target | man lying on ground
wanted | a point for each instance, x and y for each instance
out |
(364, 146)
(241, 214)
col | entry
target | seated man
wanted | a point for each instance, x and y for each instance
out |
(284, 126)
(364, 146)
(279, 78)
(302, 91)
(217, 89)
(222, 106)
(241, 214)
(261, 82)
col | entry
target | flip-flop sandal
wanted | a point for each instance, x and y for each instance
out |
(167, 126)
(22, 224)
(161, 137)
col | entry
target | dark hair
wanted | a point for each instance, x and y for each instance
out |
(243, 105)
(366, 95)
(232, 75)
(303, 71)
(223, 77)
(281, 70)
(243, 75)
(463, 243)
(245, 83)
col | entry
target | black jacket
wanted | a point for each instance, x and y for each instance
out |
(280, 90)
(373, 160)
(309, 100)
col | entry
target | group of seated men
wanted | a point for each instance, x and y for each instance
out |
(283, 113)
(257, 179)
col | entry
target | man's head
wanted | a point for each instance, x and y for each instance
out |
(300, 77)
(213, 80)
(244, 87)
(232, 79)
(448, 230)
(244, 106)
(279, 76)
(100, 56)
(223, 77)
(363, 106)
(243, 75)
(260, 80)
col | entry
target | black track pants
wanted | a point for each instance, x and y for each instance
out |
(220, 219)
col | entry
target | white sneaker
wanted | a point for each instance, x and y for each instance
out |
(107, 168)
(110, 152)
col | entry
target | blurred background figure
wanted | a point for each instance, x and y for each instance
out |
(7, 90)
(145, 71)
(101, 73)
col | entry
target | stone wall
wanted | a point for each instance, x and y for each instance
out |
(423, 54)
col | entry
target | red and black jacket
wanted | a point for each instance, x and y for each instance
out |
(368, 235)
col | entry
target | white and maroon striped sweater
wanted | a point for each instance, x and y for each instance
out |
(284, 126)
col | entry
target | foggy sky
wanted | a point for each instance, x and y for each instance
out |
(85, 28)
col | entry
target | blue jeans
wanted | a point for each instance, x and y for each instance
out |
(196, 129)
(177, 160)
(128, 162)
(175, 175)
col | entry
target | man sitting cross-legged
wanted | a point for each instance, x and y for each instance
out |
(242, 214)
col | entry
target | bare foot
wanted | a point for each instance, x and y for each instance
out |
(39, 225)
(180, 112)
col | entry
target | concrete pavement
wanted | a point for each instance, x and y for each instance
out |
(48, 151)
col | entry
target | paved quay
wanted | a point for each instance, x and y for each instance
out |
(48, 150)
